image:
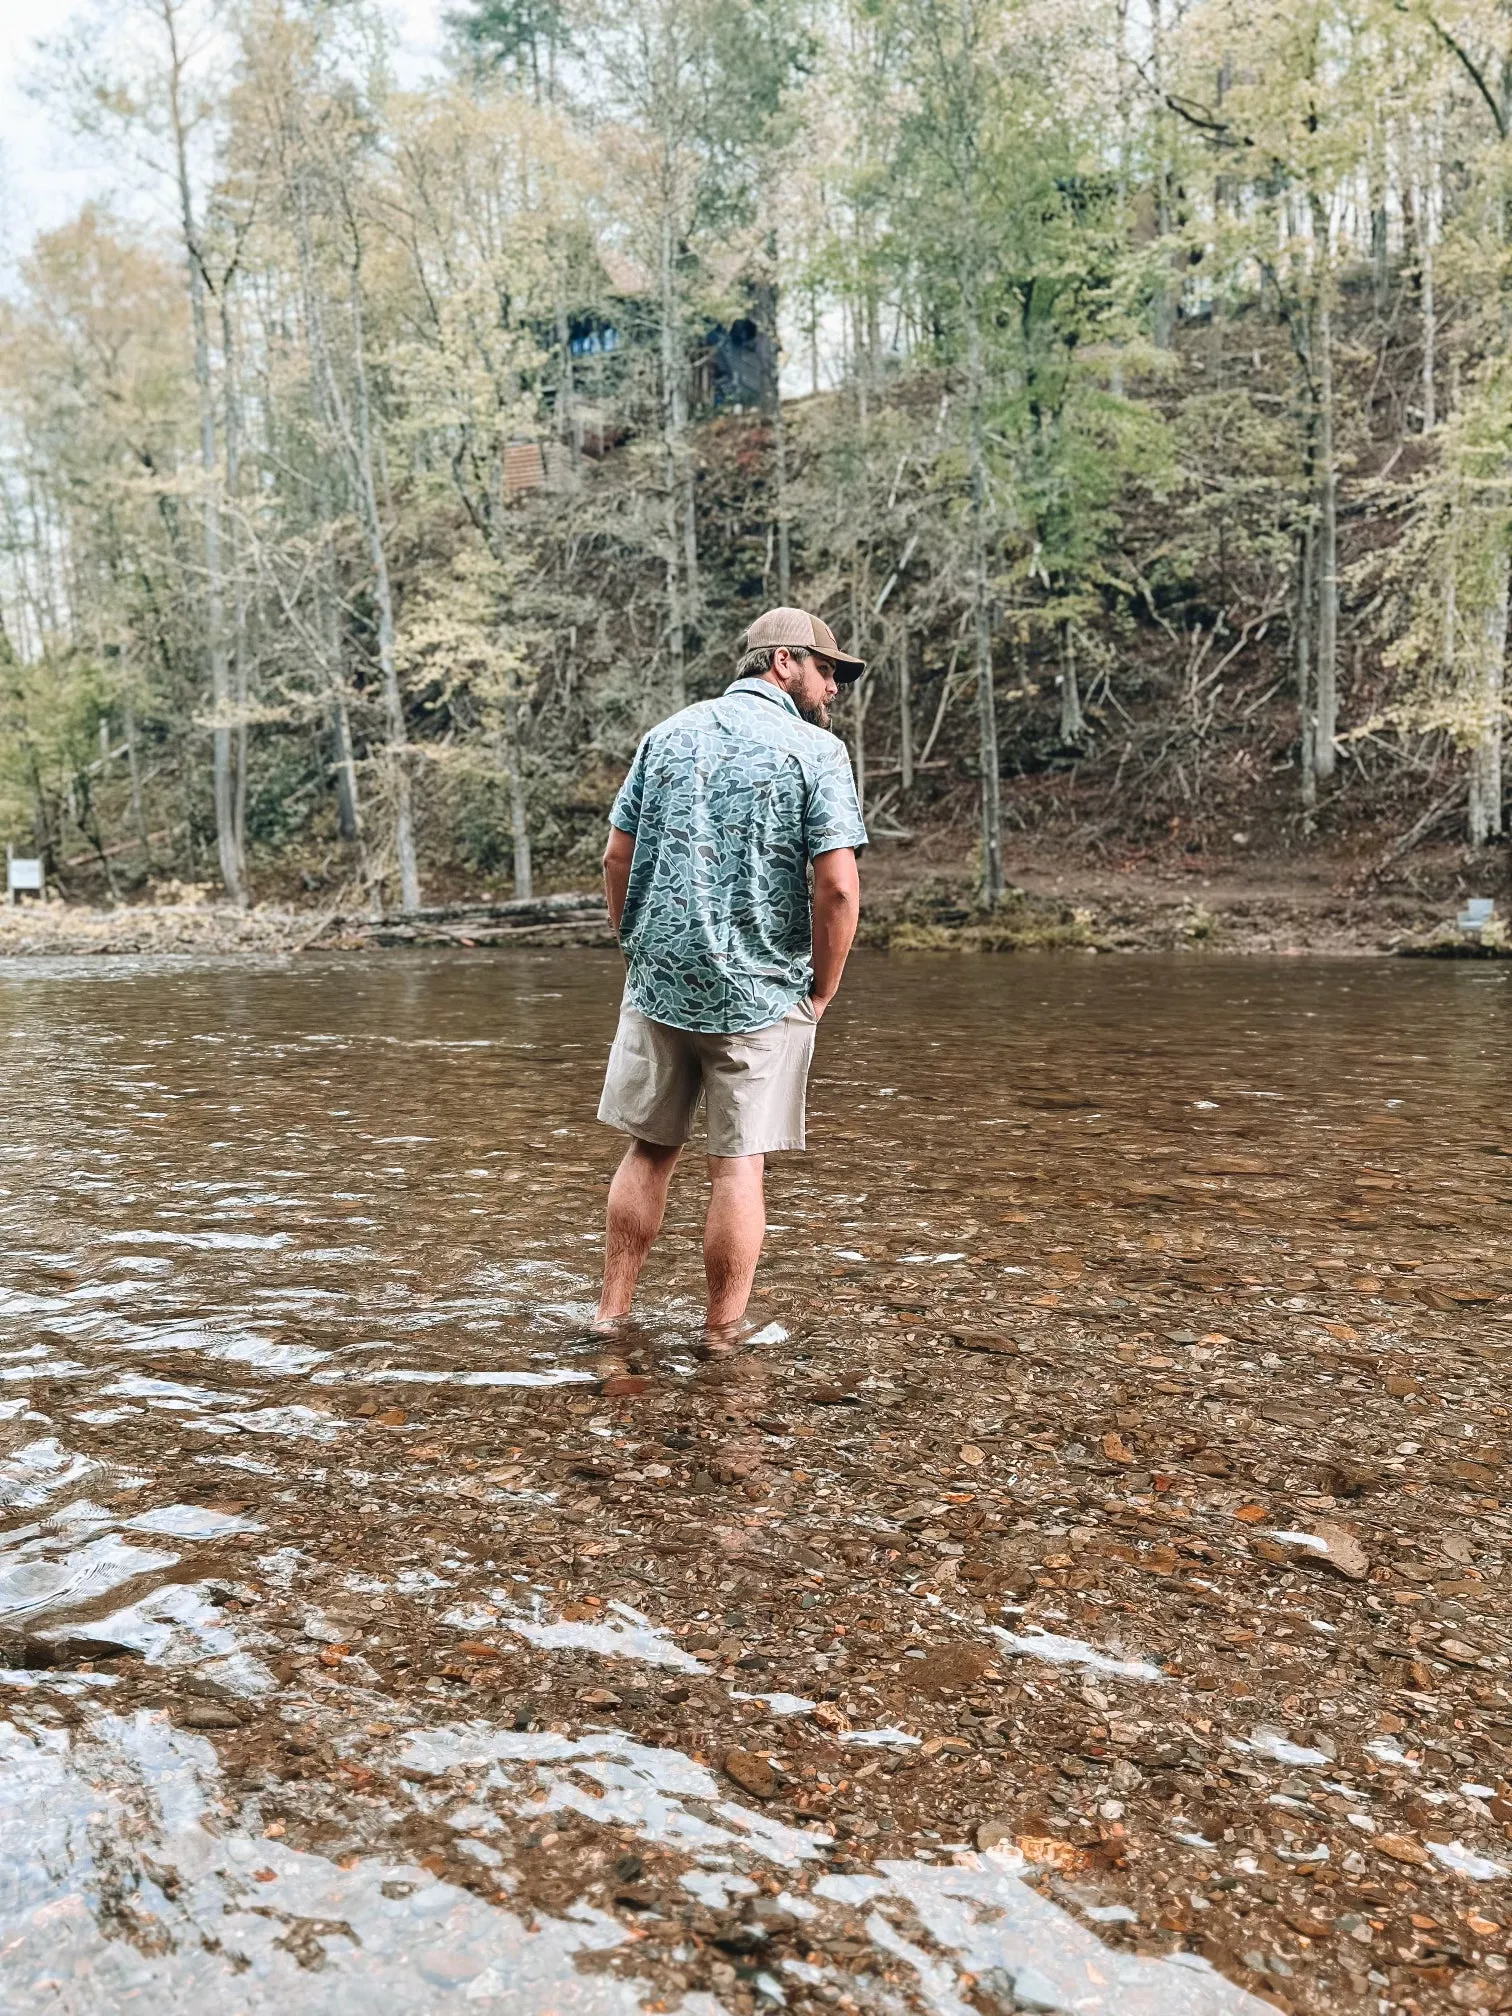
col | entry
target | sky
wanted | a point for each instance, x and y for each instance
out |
(45, 175)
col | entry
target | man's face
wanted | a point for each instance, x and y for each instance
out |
(810, 684)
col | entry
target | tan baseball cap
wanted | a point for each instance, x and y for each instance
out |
(801, 632)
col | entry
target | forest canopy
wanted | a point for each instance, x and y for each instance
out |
(1126, 380)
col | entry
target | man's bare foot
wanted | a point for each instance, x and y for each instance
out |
(727, 1336)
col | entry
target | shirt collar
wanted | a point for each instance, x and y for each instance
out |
(765, 690)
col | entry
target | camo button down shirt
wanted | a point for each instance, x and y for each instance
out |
(729, 801)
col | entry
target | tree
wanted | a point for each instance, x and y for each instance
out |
(1007, 242)
(695, 88)
(151, 79)
(315, 125)
(1447, 591)
(483, 201)
(95, 366)
(1128, 333)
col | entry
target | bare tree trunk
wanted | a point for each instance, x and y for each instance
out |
(1163, 326)
(1380, 262)
(569, 425)
(1302, 638)
(905, 715)
(344, 765)
(348, 796)
(1430, 339)
(692, 596)
(987, 742)
(1327, 673)
(1123, 88)
(1485, 822)
(772, 407)
(518, 820)
(859, 703)
(671, 372)
(1073, 723)
(768, 306)
(348, 799)
(232, 866)
(677, 679)
(779, 472)
(393, 699)
(134, 773)
(348, 810)
(1451, 590)
(239, 642)
(1427, 210)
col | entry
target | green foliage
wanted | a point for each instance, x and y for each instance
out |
(1443, 585)
(502, 32)
(422, 480)
(1229, 503)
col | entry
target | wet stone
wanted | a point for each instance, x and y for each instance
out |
(208, 1715)
(751, 1772)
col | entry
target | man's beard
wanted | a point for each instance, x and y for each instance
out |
(819, 713)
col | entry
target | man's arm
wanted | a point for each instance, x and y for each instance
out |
(618, 856)
(837, 911)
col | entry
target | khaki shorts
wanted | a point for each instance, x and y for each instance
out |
(754, 1083)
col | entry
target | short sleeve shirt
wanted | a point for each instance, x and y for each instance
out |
(729, 801)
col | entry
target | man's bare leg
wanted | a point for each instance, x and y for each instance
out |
(733, 1233)
(637, 1200)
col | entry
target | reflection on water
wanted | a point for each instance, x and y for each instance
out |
(1058, 1651)
(137, 1875)
(624, 1634)
(372, 1634)
(128, 1888)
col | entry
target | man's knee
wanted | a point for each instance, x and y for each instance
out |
(741, 1169)
(653, 1154)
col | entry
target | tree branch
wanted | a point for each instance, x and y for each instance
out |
(1201, 117)
(1467, 63)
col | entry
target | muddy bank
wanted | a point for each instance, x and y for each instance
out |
(941, 913)
(925, 898)
(39, 931)
(920, 898)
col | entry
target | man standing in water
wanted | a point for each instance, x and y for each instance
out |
(730, 967)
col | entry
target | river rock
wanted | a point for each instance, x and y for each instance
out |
(751, 1772)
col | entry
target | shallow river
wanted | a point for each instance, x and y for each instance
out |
(982, 1634)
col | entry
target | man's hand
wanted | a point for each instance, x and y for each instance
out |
(837, 910)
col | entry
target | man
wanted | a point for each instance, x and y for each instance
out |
(726, 806)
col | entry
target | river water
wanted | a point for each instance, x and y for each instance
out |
(984, 1632)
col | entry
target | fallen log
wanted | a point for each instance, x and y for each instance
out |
(520, 910)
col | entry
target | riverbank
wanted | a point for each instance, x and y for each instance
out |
(914, 902)
(53, 930)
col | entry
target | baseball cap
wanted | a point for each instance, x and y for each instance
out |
(799, 631)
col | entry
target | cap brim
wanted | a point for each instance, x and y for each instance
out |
(847, 670)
